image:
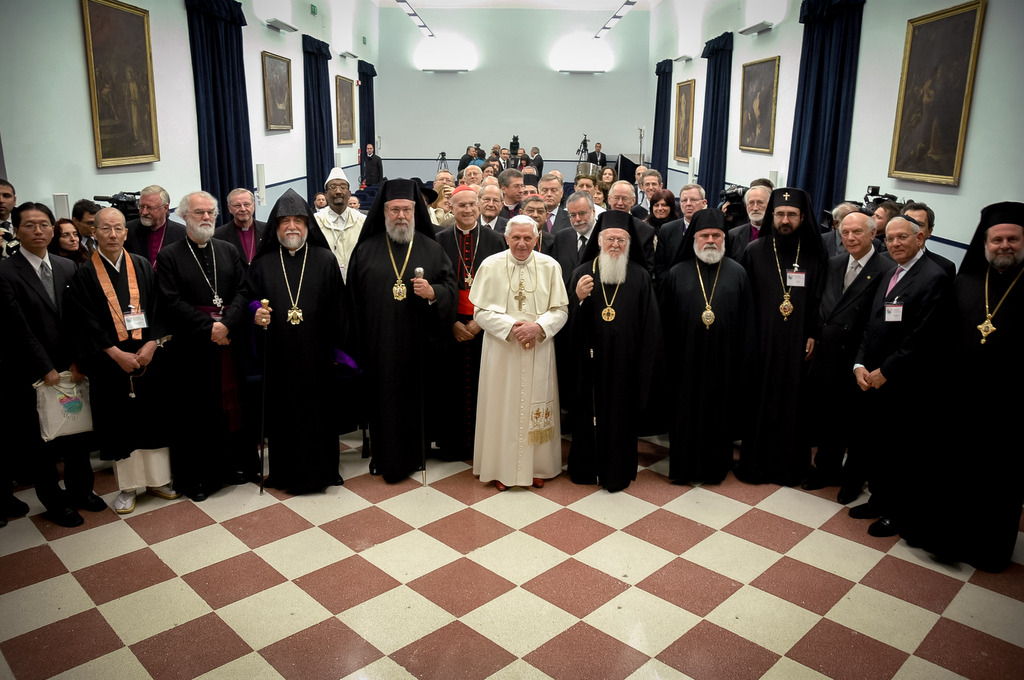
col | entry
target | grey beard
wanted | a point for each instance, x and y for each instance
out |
(1004, 262)
(613, 269)
(293, 243)
(708, 256)
(401, 236)
(200, 233)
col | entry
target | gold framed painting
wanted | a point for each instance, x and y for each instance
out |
(121, 84)
(757, 108)
(277, 91)
(684, 121)
(939, 57)
(346, 102)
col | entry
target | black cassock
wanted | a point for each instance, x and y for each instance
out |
(121, 423)
(707, 366)
(613, 373)
(302, 392)
(206, 444)
(777, 448)
(398, 343)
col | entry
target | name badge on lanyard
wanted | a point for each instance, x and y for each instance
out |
(795, 278)
(134, 320)
(894, 310)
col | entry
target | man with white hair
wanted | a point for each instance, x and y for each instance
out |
(708, 317)
(153, 230)
(339, 222)
(243, 231)
(520, 303)
(833, 240)
(756, 201)
(205, 298)
(616, 349)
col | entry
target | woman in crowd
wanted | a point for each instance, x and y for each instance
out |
(67, 242)
(663, 209)
(601, 194)
(608, 175)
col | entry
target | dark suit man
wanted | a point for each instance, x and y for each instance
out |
(33, 286)
(490, 209)
(925, 217)
(550, 188)
(670, 236)
(621, 198)
(850, 283)
(243, 231)
(597, 157)
(153, 230)
(372, 168)
(899, 366)
(569, 243)
(537, 160)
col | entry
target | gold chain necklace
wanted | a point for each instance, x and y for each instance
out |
(608, 314)
(707, 316)
(294, 314)
(786, 308)
(399, 288)
(472, 261)
(987, 328)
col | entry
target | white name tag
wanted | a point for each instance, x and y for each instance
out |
(795, 278)
(894, 312)
(135, 321)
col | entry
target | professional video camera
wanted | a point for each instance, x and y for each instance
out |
(513, 147)
(126, 201)
(736, 210)
(874, 197)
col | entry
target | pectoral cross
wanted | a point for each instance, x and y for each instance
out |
(520, 297)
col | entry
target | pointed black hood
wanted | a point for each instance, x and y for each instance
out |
(289, 205)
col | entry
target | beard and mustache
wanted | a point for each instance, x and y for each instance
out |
(613, 269)
(710, 253)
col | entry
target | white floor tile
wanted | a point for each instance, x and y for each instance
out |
(517, 507)
(763, 618)
(836, 555)
(87, 548)
(410, 555)
(394, 619)
(304, 552)
(250, 666)
(625, 557)
(421, 506)
(153, 610)
(518, 557)
(989, 612)
(617, 510)
(732, 556)
(883, 617)
(200, 548)
(642, 621)
(273, 614)
(320, 508)
(801, 507)
(519, 621)
(41, 604)
(707, 507)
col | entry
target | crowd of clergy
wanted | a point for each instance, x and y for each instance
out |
(484, 315)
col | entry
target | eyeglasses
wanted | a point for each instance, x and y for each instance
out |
(200, 213)
(110, 230)
(337, 186)
(898, 238)
(401, 211)
(786, 215)
(614, 239)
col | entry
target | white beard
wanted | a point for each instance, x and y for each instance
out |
(293, 243)
(613, 269)
(200, 233)
(399, 234)
(708, 256)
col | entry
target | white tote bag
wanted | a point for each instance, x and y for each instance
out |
(63, 408)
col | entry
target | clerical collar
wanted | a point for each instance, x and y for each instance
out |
(155, 229)
(465, 231)
(521, 263)
(116, 265)
(197, 243)
(241, 228)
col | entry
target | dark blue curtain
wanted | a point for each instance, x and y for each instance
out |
(662, 117)
(319, 137)
(824, 103)
(367, 126)
(715, 132)
(222, 110)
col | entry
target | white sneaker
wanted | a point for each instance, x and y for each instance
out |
(125, 502)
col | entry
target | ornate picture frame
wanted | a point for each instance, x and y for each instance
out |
(121, 85)
(277, 91)
(683, 147)
(346, 103)
(759, 94)
(939, 58)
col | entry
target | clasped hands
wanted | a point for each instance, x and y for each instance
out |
(869, 380)
(526, 333)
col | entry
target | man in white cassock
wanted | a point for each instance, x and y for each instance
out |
(520, 303)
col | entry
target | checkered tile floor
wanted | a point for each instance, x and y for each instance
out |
(456, 580)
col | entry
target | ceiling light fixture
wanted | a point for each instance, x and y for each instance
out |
(615, 18)
(416, 18)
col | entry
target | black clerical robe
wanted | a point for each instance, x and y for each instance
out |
(397, 341)
(708, 366)
(614, 375)
(301, 387)
(206, 374)
(777, 448)
(128, 409)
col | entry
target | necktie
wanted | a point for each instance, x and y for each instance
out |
(549, 223)
(583, 245)
(895, 278)
(851, 274)
(47, 277)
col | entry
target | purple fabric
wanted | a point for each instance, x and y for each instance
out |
(342, 358)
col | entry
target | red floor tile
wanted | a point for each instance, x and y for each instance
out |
(768, 530)
(174, 654)
(575, 587)
(465, 487)
(266, 525)
(655, 489)
(466, 530)
(29, 566)
(123, 575)
(1009, 582)
(326, 651)
(971, 653)
(375, 489)
(51, 531)
(233, 579)
(803, 585)
(670, 531)
(455, 650)
(856, 530)
(843, 654)
(708, 652)
(366, 528)
(345, 584)
(913, 583)
(461, 587)
(60, 646)
(751, 494)
(169, 521)
(568, 531)
(585, 653)
(561, 490)
(690, 586)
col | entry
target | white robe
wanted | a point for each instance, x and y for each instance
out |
(518, 435)
(342, 233)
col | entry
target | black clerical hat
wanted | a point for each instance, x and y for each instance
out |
(792, 197)
(289, 205)
(616, 219)
(1007, 212)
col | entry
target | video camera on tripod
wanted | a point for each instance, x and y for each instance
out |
(126, 201)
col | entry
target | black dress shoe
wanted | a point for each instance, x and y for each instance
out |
(883, 528)
(65, 517)
(373, 468)
(92, 503)
(848, 494)
(864, 511)
(197, 494)
(14, 508)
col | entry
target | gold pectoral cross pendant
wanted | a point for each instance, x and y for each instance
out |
(295, 315)
(708, 317)
(786, 308)
(986, 329)
(399, 290)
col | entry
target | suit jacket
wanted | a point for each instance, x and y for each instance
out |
(737, 239)
(946, 264)
(565, 249)
(138, 236)
(833, 243)
(31, 320)
(597, 158)
(561, 221)
(229, 233)
(373, 170)
(538, 162)
(499, 223)
(639, 212)
(906, 350)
